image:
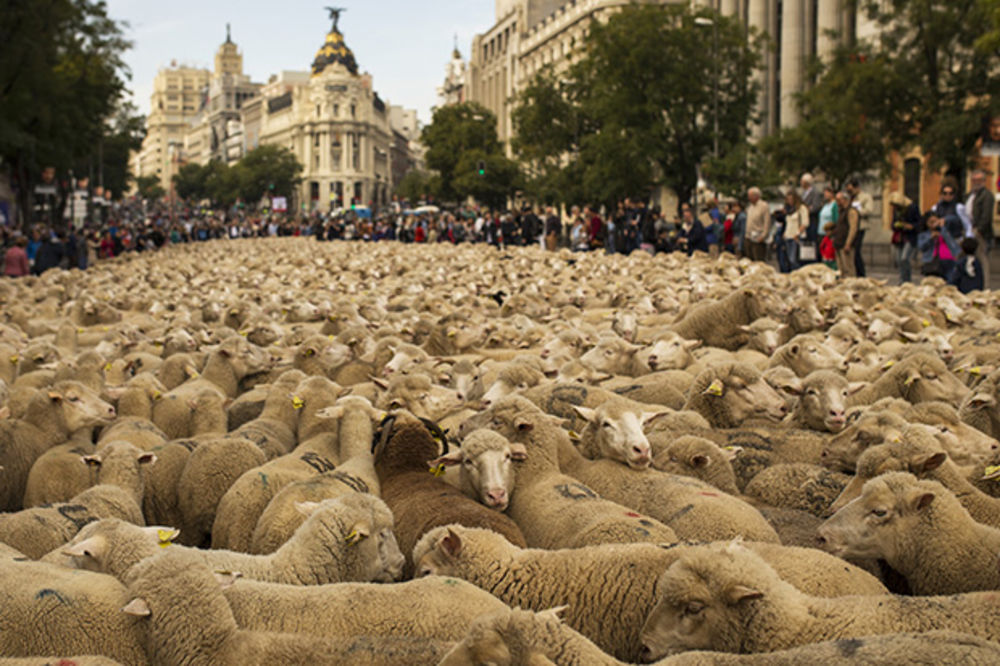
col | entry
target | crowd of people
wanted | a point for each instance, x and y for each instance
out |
(812, 224)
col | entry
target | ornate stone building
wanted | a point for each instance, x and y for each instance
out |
(455, 88)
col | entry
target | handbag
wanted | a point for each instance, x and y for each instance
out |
(807, 251)
(932, 267)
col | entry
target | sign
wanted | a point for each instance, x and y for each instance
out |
(279, 204)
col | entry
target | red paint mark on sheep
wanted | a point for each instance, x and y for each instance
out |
(707, 494)
(631, 514)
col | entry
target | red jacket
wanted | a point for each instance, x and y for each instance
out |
(16, 262)
(595, 227)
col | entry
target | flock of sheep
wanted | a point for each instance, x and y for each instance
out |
(283, 452)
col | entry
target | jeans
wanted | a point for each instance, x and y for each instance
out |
(859, 262)
(792, 251)
(904, 257)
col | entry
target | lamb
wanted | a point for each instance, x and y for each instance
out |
(486, 471)
(804, 354)
(690, 509)
(204, 631)
(919, 453)
(614, 430)
(766, 335)
(420, 501)
(349, 538)
(918, 378)
(717, 324)
(609, 588)
(729, 599)
(921, 530)
(240, 508)
(280, 518)
(434, 607)
(50, 418)
(467, 380)
(118, 494)
(80, 614)
(728, 394)
(823, 402)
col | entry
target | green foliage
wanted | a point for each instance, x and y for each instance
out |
(149, 187)
(458, 137)
(267, 170)
(742, 167)
(637, 110)
(189, 182)
(61, 76)
(415, 186)
(122, 134)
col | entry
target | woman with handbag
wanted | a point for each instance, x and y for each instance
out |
(937, 246)
(796, 227)
(905, 223)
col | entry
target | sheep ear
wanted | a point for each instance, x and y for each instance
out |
(981, 400)
(4, 412)
(691, 344)
(792, 387)
(54, 396)
(854, 387)
(137, 607)
(716, 388)
(648, 418)
(731, 452)
(911, 377)
(554, 613)
(227, 578)
(934, 461)
(518, 452)
(306, 508)
(359, 532)
(451, 544)
(91, 461)
(584, 413)
(384, 385)
(93, 548)
(922, 501)
(332, 412)
(146, 458)
(912, 337)
(447, 460)
(746, 329)
(794, 349)
(737, 594)
(698, 460)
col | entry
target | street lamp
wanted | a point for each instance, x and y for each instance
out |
(704, 21)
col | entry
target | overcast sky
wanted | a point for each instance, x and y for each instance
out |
(404, 44)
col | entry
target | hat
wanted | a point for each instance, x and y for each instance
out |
(898, 199)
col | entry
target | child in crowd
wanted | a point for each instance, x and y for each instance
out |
(968, 272)
(826, 250)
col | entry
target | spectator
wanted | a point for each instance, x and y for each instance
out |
(796, 227)
(33, 245)
(827, 252)
(595, 228)
(968, 273)
(714, 230)
(692, 233)
(615, 222)
(758, 226)
(951, 212)
(980, 206)
(578, 236)
(813, 199)
(937, 246)
(739, 227)
(845, 234)
(828, 214)
(552, 228)
(862, 202)
(16, 259)
(905, 226)
(50, 253)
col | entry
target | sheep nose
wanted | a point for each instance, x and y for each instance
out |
(646, 655)
(484, 404)
(824, 453)
(111, 412)
(783, 408)
(497, 496)
(820, 540)
(460, 396)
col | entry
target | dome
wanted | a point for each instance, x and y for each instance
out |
(334, 50)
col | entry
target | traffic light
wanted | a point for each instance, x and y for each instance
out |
(482, 168)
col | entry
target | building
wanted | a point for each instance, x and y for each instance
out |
(454, 90)
(174, 104)
(335, 123)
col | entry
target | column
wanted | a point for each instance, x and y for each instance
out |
(728, 7)
(762, 15)
(828, 19)
(793, 34)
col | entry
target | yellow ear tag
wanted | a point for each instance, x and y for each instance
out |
(107, 367)
(309, 352)
(297, 402)
(330, 337)
(451, 334)
(926, 323)
(574, 435)
(975, 370)
(79, 330)
(992, 469)
(164, 537)
(244, 333)
(105, 329)
(352, 538)
(156, 395)
(157, 344)
(888, 365)
(15, 358)
(728, 448)
(715, 388)
(438, 471)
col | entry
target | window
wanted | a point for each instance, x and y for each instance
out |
(354, 110)
(317, 110)
(336, 110)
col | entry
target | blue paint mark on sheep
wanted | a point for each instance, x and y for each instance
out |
(263, 478)
(47, 592)
(575, 491)
(849, 646)
(682, 512)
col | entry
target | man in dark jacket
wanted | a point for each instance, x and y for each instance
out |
(50, 253)
(980, 207)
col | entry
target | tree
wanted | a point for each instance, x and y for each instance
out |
(639, 104)
(190, 182)
(494, 185)
(270, 170)
(455, 132)
(415, 186)
(61, 75)
(149, 187)
(123, 133)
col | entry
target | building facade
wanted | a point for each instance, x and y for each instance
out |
(455, 88)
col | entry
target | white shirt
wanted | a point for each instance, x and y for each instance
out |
(964, 216)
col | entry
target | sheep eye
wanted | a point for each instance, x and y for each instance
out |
(677, 344)
(811, 392)
(73, 398)
(944, 429)
(694, 608)
(507, 457)
(606, 424)
(844, 393)
(879, 513)
(930, 376)
(468, 463)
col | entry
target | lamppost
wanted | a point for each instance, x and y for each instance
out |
(705, 21)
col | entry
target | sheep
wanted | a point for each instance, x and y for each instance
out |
(864, 362)
(766, 335)
(804, 354)
(48, 610)
(729, 599)
(965, 444)
(240, 508)
(717, 323)
(614, 430)
(57, 475)
(356, 473)
(434, 607)
(524, 638)
(609, 588)
(111, 546)
(418, 395)
(50, 418)
(467, 380)
(728, 394)
(823, 402)
(917, 378)
(921, 530)
(696, 457)
(486, 471)
(418, 499)
(979, 407)
(666, 388)
(786, 383)
(512, 377)
(919, 453)
(867, 428)
(798, 486)
(614, 355)
(118, 494)
(204, 631)
(690, 509)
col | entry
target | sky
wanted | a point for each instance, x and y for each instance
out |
(405, 45)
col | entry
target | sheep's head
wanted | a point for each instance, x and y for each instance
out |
(696, 457)
(487, 467)
(873, 525)
(864, 430)
(925, 378)
(514, 377)
(449, 550)
(610, 355)
(363, 524)
(805, 354)
(505, 638)
(417, 394)
(669, 352)
(704, 598)
(112, 546)
(78, 406)
(618, 433)
(823, 401)
(405, 359)
(765, 335)
(730, 393)
(965, 444)
(245, 358)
